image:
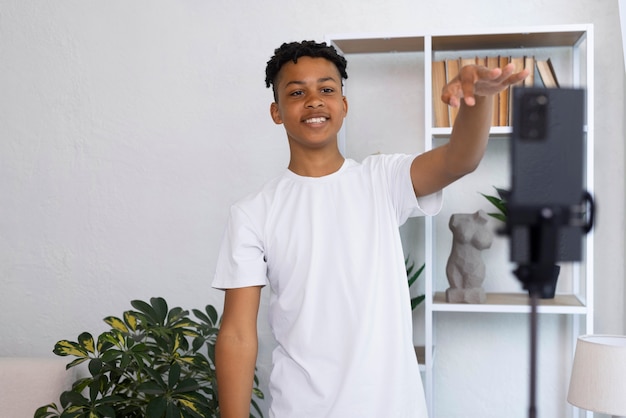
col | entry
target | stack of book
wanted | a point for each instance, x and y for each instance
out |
(444, 71)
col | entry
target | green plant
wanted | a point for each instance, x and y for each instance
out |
(499, 202)
(412, 277)
(152, 363)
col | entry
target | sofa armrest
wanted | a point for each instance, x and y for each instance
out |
(28, 383)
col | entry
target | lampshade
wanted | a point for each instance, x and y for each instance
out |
(598, 381)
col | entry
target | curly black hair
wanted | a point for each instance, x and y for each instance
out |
(294, 50)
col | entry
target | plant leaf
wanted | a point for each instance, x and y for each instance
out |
(498, 216)
(76, 362)
(212, 313)
(95, 366)
(172, 411)
(86, 341)
(105, 411)
(74, 398)
(498, 202)
(160, 307)
(69, 348)
(131, 320)
(151, 388)
(173, 376)
(103, 343)
(147, 310)
(46, 411)
(195, 404)
(414, 277)
(201, 316)
(156, 407)
(177, 314)
(187, 385)
(416, 301)
(116, 323)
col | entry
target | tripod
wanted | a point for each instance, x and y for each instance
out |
(543, 224)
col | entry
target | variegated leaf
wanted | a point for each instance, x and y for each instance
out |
(131, 320)
(86, 341)
(116, 323)
(69, 348)
(190, 405)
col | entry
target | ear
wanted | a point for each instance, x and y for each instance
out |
(275, 113)
(345, 106)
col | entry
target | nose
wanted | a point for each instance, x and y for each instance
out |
(314, 101)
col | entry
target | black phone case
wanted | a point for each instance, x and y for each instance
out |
(547, 163)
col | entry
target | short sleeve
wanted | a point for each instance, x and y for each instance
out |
(241, 261)
(403, 194)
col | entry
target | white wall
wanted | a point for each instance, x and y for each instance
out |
(128, 128)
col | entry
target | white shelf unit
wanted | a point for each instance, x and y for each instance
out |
(574, 45)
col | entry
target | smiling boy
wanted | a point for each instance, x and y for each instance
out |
(324, 236)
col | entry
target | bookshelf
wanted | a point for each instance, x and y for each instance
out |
(570, 50)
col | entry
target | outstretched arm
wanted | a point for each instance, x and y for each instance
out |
(472, 91)
(236, 351)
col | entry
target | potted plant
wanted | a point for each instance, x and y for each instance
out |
(153, 362)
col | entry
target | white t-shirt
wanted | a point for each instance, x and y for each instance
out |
(330, 249)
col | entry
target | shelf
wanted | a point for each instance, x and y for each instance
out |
(498, 39)
(571, 49)
(513, 303)
(507, 40)
(495, 131)
(380, 44)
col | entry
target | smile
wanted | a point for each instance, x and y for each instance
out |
(316, 120)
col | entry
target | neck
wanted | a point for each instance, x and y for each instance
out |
(316, 165)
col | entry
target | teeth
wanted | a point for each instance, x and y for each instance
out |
(315, 120)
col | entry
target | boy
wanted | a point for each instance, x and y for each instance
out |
(324, 236)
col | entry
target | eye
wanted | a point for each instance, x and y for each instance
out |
(328, 90)
(296, 93)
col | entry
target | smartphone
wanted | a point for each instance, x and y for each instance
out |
(547, 164)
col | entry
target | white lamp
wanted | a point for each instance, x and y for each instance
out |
(598, 381)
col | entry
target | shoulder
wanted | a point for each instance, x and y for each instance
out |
(255, 205)
(389, 163)
(387, 159)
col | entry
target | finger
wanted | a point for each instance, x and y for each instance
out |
(505, 73)
(468, 77)
(449, 95)
(468, 93)
(516, 78)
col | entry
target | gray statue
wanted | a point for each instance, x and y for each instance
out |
(466, 268)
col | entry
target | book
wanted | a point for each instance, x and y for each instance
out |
(494, 62)
(440, 109)
(462, 63)
(468, 61)
(547, 74)
(518, 66)
(452, 70)
(503, 96)
(529, 63)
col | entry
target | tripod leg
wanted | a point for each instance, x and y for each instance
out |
(532, 412)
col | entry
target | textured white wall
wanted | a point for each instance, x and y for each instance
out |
(127, 129)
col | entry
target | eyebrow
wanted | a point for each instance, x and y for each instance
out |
(319, 80)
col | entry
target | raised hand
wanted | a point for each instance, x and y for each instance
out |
(477, 80)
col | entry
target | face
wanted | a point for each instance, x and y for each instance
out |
(310, 103)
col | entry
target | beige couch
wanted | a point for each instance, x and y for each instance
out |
(28, 383)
